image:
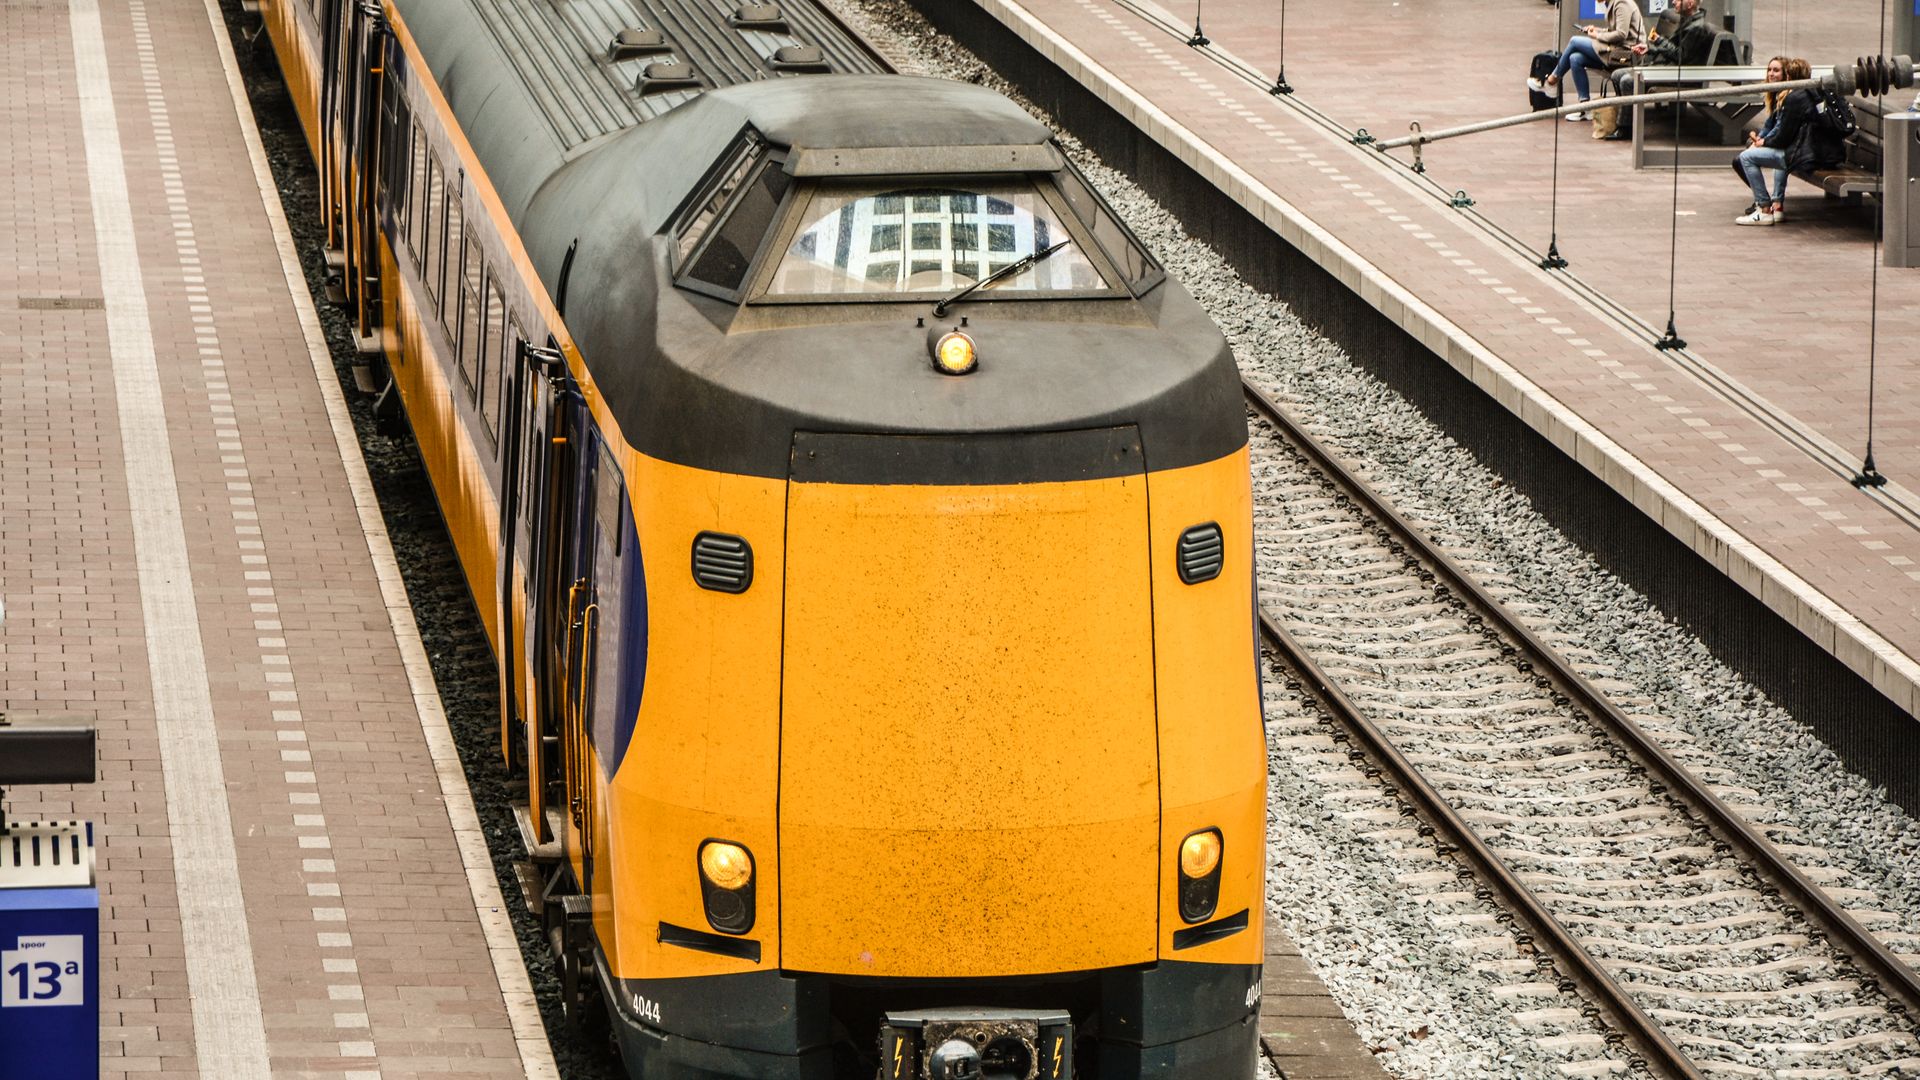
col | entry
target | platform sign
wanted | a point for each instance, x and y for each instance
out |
(1597, 9)
(49, 984)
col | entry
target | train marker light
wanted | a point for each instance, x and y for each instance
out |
(1200, 875)
(726, 865)
(1200, 854)
(726, 886)
(954, 354)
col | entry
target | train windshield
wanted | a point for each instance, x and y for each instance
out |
(891, 239)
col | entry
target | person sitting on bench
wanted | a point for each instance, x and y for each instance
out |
(1795, 139)
(1690, 44)
(1751, 164)
(1608, 46)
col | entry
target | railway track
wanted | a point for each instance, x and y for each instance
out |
(1698, 945)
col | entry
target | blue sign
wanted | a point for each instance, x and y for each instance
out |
(49, 984)
(1597, 9)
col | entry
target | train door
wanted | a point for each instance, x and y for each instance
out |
(515, 579)
(333, 21)
(363, 89)
(353, 54)
(561, 463)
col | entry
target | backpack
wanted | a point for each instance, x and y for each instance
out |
(1541, 67)
(1833, 113)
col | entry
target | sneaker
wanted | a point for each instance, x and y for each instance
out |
(1576, 116)
(1536, 85)
(1755, 217)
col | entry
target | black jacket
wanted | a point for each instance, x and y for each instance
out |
(1807, 140)
(1688, 46)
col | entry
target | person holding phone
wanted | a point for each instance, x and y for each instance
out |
(1606, 45)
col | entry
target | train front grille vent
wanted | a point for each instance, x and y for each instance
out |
(1201, 553)
(722, 562)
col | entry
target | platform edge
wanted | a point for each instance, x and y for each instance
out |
(503, 947)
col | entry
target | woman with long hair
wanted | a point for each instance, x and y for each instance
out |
(1776, 72)
(1793, 140)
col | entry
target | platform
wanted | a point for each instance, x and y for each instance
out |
(293, 880)
(1742, 446)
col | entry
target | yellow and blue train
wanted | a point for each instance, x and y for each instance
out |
(861, 520)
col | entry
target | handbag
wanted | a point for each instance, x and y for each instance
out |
(1606, 121)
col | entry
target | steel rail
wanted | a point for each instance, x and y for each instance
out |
(1882, 970)
(1557, 941)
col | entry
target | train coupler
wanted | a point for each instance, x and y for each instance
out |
(571, 936)
(976, 1044)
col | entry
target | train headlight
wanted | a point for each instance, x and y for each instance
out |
(1200, 874)
(726, 886)
(727, 866)
(955, 354)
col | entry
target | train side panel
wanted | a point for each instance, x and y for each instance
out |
(1212, 741)
(292, 30)
(703, 760)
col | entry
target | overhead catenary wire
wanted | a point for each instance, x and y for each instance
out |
(1869, 475)
(1671, 339)
(1280, 84)
(1553, 260)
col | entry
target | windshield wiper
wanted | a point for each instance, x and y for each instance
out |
(1012, 268)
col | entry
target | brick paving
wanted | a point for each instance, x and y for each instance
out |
(367, 952)
(1784, 311)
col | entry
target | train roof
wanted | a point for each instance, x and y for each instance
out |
(536, 84)
(633, 183)
(596, 168)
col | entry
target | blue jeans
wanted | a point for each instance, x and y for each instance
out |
(1580, 55)
(1754, 161)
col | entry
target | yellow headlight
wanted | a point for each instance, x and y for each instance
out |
(954, 354)
(726, 865)
(1200, 854)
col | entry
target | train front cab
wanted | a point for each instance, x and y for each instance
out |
(964, 734)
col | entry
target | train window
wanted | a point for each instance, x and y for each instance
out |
(493, 364)
(435, 230)
(876, 239)
(607, 499)
(393, 147)
(417, 197)
(1120, 245)
(472, 327)
(723, 262)
(399, 168)
(450, 310)
(729, 182)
